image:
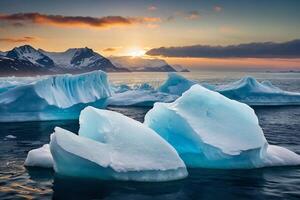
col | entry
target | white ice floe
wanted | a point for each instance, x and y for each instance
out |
(40, 157)
(10, 137)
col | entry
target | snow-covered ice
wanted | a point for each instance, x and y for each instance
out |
(40, 157)
(209, 130)
(112, 146)
(56, 97)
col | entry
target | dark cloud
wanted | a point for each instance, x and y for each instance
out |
(170, 18)
(190, 15)
(71, 21)
(194, 14)
(18, 40)
(218, 8)
(110, 49)
(17, 24)
(152, 8)
(290, 49)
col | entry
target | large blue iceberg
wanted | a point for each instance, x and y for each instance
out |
(110, 146)
(55, 97)
(210, 130)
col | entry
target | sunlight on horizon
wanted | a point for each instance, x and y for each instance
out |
(136, 52)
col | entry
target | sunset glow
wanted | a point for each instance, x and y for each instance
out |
(111, 28)
(136, 52)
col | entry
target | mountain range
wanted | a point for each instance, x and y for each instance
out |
(26, 60)
(140, 64)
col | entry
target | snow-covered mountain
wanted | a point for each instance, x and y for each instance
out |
(28, 53)
(142, 64)
(2, 53)
(25, 59)
(180, 68)
(81, 59)
(21, 60)
(11, 67)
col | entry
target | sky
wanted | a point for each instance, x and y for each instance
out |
(203, 34)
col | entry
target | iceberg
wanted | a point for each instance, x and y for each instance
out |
(250, 91)
(143, 86)
(111, 146)
(8, 83)
(40, 157)
(124, 87)
(10, 137)
(210, 130)
(143, 98)
(120, 88)
(246, 90)
(175, 84)
(55, 97)
(141, 95)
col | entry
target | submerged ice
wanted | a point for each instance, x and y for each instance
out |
(55, 97)
(209, 130)
(112, 146)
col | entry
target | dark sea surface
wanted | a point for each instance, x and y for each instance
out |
(281, 126)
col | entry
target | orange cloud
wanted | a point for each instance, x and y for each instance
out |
(18, 40)
(152, 26)
(148, 19)
(79, 21)
(228, 30)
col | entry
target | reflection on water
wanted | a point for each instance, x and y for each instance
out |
(281, 126)
(201, 184)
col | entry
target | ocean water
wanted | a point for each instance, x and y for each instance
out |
(281, 126)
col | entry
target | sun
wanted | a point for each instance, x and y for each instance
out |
(136, 52)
